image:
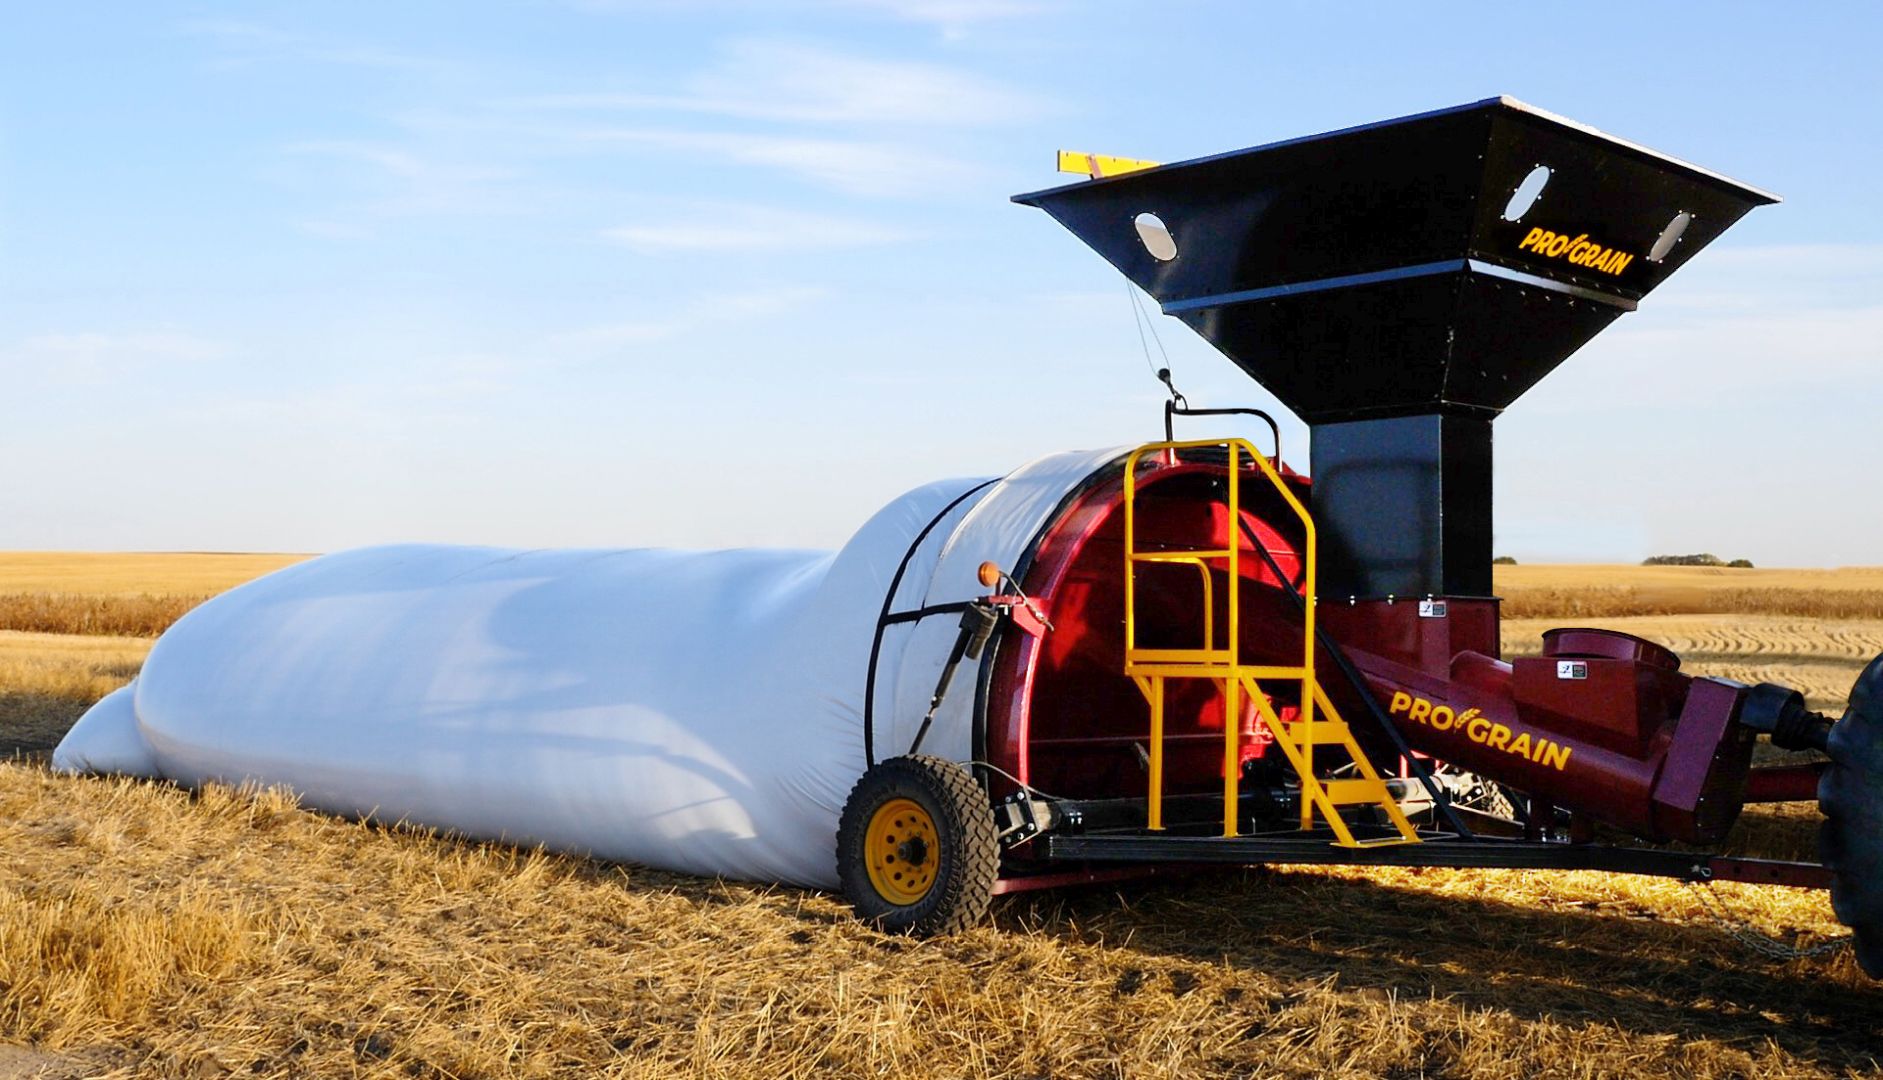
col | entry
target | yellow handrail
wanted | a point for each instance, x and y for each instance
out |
(1150, 667)
(1236, 447)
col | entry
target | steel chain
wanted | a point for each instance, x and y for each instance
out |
(1759, 942)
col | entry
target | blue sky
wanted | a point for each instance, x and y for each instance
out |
(614, 272)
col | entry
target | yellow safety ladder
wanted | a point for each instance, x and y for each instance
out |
(1317, 723)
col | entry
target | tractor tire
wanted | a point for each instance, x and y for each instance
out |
(917, 852)
(1850, 841)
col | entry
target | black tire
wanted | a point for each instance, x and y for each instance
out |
(1850, 841)
(966, 848)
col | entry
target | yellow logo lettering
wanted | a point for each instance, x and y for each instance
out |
(1578, 250)
(1480, 729)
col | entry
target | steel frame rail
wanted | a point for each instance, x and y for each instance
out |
(1317, 849)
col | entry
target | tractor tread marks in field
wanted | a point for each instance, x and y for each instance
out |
(969, 845)
(1813, 656)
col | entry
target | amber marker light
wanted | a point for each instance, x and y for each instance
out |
(989, 574)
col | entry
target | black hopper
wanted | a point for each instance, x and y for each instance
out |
(1398, 285)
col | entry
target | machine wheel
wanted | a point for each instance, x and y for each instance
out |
(1850, 841)
(916, 849)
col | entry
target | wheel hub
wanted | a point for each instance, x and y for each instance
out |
(900, 844)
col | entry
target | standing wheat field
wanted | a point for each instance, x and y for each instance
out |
(148, 930)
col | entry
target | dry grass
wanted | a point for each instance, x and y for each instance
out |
(47, 681)
(133, 573)
(179, 934)
(1622, 591)
(1629, 600)
(116, 594)
(1600, 575)
(113, 616)
(73, 963)
(231, 932)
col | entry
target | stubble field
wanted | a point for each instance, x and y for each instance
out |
(147, 930)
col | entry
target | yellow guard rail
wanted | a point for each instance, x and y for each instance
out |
(1317, 722)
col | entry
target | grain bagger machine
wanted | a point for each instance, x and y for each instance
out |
(1249, 665)
(1105, 663)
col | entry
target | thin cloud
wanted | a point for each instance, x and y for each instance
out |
(92, 347)
(1739, 321)
(1799, 260)
(713, 309)
(749, 228)
(1733, 278)
(851, 166)
(799, 83)
(334, 230)
(1679, 362)
(94, 356)
(401, 181)
(956, 19)
(953, 17)
(954, 12)
(833, 120)
(244, 44)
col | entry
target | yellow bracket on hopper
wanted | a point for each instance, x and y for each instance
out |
(1099, 166)
(1317, 722)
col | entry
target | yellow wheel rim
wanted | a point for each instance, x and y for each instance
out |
(902, 851)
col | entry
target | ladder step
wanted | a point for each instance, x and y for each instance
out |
(1383, 841)
(1175, 664)
(1356, 792)
(1216, 658)
(1320, 733)
(1179, 556)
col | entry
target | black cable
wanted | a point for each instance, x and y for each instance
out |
(918, 614)
(1142, 320)
(1022, 566)
(883, 618)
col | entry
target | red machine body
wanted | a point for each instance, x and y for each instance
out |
(1398, 286)
(1600, 723)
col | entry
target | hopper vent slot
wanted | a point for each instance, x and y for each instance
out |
(1669, 236)
(1527, 193)
(1155, 236)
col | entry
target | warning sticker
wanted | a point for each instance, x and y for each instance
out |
(1572, 669)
